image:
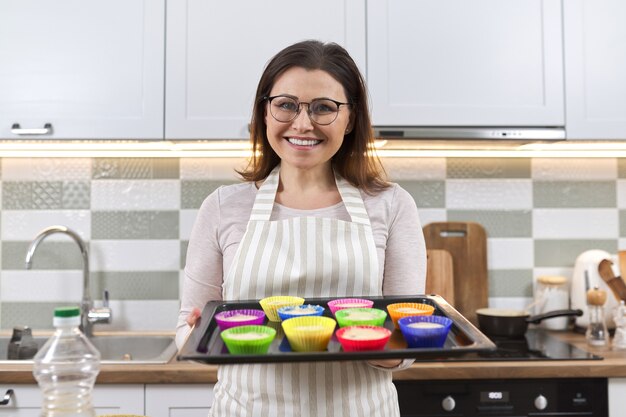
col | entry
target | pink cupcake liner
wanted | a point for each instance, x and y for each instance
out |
(341, 303)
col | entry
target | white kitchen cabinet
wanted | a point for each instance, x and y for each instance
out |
(178, 400)
(88, 69)
(460, 63)
(216, 52)
(595, 64)
(107, 399)
(617, 399)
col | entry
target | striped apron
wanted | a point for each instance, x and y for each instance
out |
(307, 257)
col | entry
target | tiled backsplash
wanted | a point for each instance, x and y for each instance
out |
(137, 214)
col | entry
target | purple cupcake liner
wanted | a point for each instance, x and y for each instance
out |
(223, 323)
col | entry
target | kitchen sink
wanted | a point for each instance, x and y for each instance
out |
(116, 349)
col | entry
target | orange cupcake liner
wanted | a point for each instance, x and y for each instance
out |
(399, 310)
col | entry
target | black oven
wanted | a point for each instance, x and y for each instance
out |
(499, 398)
(556, 397)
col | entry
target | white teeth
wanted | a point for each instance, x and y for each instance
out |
(303, 142)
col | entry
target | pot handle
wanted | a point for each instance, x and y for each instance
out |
(550, 314)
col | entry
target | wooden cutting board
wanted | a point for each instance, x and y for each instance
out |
(467, 243)
(439, 274)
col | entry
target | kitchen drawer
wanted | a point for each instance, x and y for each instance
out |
(108, 399)
(178, 400)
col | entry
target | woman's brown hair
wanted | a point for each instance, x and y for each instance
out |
(355, 160)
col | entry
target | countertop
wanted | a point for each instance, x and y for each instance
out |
(613, 365)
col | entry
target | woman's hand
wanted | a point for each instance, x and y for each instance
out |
(193, 317)
(386, 363)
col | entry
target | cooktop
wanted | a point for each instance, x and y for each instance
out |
(537, 345)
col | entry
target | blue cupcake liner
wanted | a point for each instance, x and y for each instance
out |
(421, 338)
(289, 312)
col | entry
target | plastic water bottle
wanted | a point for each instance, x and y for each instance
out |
(66, 368)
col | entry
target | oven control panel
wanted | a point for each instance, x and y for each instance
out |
(513, 397)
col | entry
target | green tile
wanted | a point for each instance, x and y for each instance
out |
(621, 167)
(184, 244)
(164, 225)
(427, 194)
(488, 168)
(574, 194)
(193, 192)
(17, 195)
(53, 255)
(36, 315)
(622, 223)
(136, 168)
(76, 195)
(105, 168)
(46, 195)
(135, 285)
(165, 168)
(508, 223)
(562, 253)
(511, 283)
(134, 225)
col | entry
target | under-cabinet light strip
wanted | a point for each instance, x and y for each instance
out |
(475, 153)
(241, 149)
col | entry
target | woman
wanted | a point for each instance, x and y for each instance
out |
(314, 218)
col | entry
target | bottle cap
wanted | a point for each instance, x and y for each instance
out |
(596, 297)
(66, 316)
(66, 311)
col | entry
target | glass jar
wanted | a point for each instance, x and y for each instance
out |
(552, 293)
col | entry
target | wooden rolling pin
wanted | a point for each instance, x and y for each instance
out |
(616, 284)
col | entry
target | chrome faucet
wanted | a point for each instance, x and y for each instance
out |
(89, 315)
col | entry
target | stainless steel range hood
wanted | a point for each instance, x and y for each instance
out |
(469, 132)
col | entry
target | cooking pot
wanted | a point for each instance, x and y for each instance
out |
(513, 323)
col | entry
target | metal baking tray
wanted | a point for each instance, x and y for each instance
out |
(204, 343)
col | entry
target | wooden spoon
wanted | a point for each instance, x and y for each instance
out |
(622, 262)
(616, 284)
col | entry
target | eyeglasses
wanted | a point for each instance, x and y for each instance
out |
(321, 111)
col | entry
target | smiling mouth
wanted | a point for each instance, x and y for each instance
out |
(303, 142)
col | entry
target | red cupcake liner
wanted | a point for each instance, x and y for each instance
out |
(351, 345)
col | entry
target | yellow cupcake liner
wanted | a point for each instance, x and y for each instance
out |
(309, 333)
(271, 305)
(396, 313)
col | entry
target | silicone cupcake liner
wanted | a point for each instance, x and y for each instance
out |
(356, 317)
(425, 337)
(290, 312)
(341, 303)
(248, 346)
(257, 317)
(309, 333)
(357, 344)
(271, 304)
(395, 311)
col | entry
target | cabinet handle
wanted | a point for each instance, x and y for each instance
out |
(46, 130)
(7, 397)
